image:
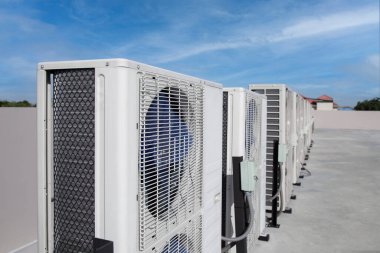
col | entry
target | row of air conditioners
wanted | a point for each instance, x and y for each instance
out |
(290, 123)
(131, 159)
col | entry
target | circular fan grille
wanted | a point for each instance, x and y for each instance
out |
(177, 244)
(167, 140)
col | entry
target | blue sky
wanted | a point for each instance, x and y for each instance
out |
(316, 47)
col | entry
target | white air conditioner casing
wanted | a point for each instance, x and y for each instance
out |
(128, 153)
(277, 129)
(244, 138)
(304, 128)
(301, 122)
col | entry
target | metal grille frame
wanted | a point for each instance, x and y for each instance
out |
(252, 127)
(73, 140)
(273, 132)
(289, 133)
(253, 152)
(186, 238)
(181, 198)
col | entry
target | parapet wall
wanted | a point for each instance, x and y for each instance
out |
(18, 180)
(367, 120)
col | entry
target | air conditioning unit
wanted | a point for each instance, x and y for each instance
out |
(244, 140)
(300, 132)
(129, 158)
(277, 126)
(291, 136)
(308, 124)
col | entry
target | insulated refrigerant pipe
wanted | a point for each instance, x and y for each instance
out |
(279, 188)
(248, 199)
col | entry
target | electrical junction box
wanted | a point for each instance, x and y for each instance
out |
(282, 152)
(248, 175)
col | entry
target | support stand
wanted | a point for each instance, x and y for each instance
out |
(102, 246)
(273, 221)
(241, 215)
(264, 238)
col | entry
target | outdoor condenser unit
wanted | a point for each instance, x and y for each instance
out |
(277, 130)
(291, 136)
(300, 133)
(129, 159)
(309, 123)
(244, 140)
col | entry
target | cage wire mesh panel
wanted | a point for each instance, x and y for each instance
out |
(300, 148)
(273, 133)
(250, 127)
(253, 140)
(73, 160)
(288, 138)
(171, 155)
(185, 239)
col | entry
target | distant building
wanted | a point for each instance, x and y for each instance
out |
(323, 103)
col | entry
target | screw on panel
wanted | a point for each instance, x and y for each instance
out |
(107, 64)
(42, 66)
(138, 66)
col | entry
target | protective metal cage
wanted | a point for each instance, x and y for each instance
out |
(171, 156)
(253, 152)
(289, 135)
(273, 132)
(187, 238)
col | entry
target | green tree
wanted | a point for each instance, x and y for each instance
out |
(368, 105)
(24, 103)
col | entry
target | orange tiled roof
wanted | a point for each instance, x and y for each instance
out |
(325, 97)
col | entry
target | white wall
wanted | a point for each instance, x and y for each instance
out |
(323, 106)
(369, 120)
(18, 179)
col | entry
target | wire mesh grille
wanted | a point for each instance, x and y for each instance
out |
(255, 231)
(171, 155)
(290, 121)
(253, 152)
(252, 126)
(273, 122)
(73, 159)
(186, 239)
(299, 122)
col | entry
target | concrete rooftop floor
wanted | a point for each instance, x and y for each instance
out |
(338, 207)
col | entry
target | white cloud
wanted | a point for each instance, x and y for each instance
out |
(303, 28)
(311, 86)
(368, 69)
(24, 24)
(329, 23)
(374, 61)
(207, 47)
